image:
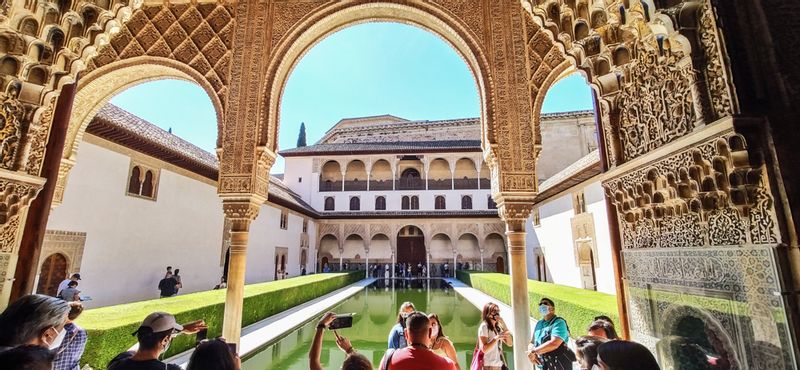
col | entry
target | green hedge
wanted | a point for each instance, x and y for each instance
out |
(110, 328)
(578, 306)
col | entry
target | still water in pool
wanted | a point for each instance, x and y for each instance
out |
(376, 312)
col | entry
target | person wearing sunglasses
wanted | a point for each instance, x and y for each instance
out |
(548, 348)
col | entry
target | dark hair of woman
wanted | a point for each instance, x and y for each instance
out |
(402, 310)
(606, 327)
(586, 350)
(356, 361)
(212, 355)
(488, 312)
(625, 355)
(439, 323)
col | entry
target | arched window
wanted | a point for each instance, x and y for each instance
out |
(439, 202)
(147, 185)
(466, 202)
(355, 203)
(414, 202)
(491, 203)
(380, 203)
(330, 204)
(405, 203)
(135, 182)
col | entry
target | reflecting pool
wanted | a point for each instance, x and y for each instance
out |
(376, 312)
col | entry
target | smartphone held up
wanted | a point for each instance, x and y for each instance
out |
(342, 321)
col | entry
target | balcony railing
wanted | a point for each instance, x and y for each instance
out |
(380, 185)
(330, 186)
(486, 184)
(445, 184)
(465, 183)
(355, 185)
(413, 183)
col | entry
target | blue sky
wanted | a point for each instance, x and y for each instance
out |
(364, 70)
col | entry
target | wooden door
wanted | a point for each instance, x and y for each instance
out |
(501, 266)
(411, 249)
(54, 270)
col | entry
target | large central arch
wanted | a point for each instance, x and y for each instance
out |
(328, 20)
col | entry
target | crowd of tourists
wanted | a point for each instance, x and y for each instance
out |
(38, 332)
(417, 341)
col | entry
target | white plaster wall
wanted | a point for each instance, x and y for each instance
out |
(130, 241)
(604, 271)
(266, 235)
(297, 176)
(554, 238)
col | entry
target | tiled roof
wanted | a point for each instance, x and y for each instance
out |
(122, 127)
(145, 131)
(385, 147)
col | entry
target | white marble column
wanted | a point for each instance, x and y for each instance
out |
(515, 216)
(240, 213)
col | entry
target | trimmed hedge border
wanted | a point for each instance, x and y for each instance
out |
(110, 328)
(578, 306)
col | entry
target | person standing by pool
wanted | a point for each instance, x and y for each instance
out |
(397, 337)
(550, 336)
(440, 343)
(492, 334)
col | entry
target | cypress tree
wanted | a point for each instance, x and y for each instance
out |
(301, 138)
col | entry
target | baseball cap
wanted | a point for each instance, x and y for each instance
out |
(76, 276)
(159, 322)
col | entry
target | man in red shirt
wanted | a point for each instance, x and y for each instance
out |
(417, 355)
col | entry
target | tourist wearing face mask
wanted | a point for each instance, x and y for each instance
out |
(155, 335)
(548, 349)
(440, 343)
(34, 319)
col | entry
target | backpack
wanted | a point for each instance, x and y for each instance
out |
(161, 283)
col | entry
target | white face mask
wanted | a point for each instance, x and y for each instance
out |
(434, 331)
(59, 338)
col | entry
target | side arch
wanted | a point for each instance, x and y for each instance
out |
(100, 85)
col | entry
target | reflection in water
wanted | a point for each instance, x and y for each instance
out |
(376, 312)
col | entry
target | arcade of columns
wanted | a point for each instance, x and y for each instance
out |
(694, 176)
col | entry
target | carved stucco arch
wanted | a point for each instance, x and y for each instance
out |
(331, 18)
(100, 85)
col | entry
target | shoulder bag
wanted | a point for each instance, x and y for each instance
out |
(477, 358)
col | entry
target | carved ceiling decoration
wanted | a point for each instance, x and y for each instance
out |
(623, 47)
(197, 35)
(712, 194)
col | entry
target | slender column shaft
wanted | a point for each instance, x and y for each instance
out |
(515, 230)
(234, 297)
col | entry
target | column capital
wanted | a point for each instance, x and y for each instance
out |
(514, 209)
(242, 208)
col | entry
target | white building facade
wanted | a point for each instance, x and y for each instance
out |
(140, 199)
(374, 192)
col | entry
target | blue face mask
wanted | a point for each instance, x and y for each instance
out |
(543, 309)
